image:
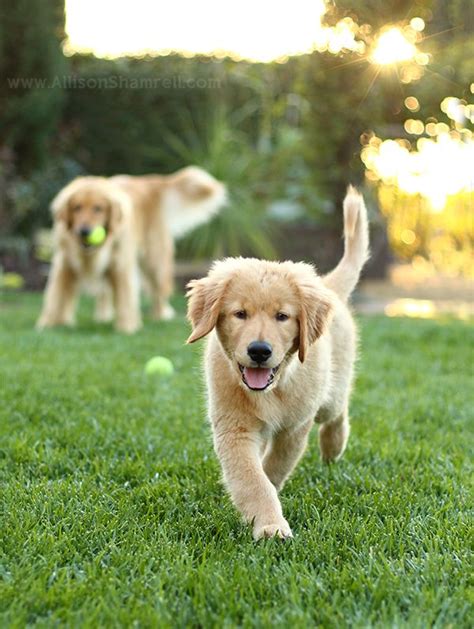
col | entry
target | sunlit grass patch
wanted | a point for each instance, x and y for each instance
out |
(112, 512)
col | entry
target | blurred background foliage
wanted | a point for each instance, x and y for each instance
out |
(286, 137)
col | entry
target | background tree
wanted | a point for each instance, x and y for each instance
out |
(31, 59)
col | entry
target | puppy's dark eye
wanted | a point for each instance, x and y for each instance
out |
(97, 209)
(240, 314)
(76, 208)
(281, 316)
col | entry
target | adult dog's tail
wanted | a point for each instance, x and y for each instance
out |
(343, 279)
(191, 197)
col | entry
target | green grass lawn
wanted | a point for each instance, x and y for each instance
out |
(112, 512)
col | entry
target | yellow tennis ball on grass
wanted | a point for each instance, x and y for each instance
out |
(159, 366)
(97, 236)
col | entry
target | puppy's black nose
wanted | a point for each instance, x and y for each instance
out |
(259, 351)
(84, 232)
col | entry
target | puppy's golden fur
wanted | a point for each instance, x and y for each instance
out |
(262, 413)
(141, 216)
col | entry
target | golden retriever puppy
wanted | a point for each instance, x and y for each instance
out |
(141, 217)
(279, 356)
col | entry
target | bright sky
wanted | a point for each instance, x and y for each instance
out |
(259, 30)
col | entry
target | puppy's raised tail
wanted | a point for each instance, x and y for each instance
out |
(343, 279)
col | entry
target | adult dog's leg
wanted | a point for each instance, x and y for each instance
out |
(333, 436)
(283, 453)
(251, 491)
(104, 305)
(163, 289)
(126, 289)
(159, 268)
(60, 295)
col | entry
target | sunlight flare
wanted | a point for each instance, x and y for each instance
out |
(258, 31)
(437, 168)
(392, 47)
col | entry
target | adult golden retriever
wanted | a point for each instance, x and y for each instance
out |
(280, 354)
(141, 216)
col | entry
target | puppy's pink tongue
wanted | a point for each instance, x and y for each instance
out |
(257, 378)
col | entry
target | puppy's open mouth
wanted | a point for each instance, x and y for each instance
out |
(258, 378)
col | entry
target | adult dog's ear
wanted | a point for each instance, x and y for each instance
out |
(316, 302)
(119, 207)
(60, 204)
(204, 303)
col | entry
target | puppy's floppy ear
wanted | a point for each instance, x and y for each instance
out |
(316, 302)
(204, 303)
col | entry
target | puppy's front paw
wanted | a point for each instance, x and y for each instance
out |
(279, 529)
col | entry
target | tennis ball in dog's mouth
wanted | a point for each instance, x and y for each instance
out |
(97, 236)
(159, 366)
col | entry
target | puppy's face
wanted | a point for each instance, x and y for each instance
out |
(258, 328)
(263, 312)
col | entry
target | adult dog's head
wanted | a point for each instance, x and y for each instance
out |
(87, 203)
(263, 312)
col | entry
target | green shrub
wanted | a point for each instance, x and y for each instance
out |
(31, 32)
